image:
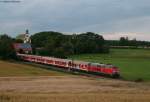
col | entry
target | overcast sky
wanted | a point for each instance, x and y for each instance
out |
(112, 18)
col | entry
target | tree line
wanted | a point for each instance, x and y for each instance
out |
(60, 45)
(125, 42)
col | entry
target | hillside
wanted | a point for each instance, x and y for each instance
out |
(133, 63)
(13, 69)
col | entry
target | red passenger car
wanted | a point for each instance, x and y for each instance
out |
(105, 69)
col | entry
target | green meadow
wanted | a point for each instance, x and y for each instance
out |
(133, 64)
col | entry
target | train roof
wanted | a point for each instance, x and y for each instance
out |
(83, 62)
(75, 61)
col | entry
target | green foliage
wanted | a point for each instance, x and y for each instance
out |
(124, 41)
(40, 39)
(6, 49)
(89, 43)
(60, 45)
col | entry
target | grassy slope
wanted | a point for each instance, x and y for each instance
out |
(12, 69)
(133, 63)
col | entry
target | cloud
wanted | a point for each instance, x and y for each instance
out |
(15, 27)
(116, 36)
(107, 16)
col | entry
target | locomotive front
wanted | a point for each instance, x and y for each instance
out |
(115, 72)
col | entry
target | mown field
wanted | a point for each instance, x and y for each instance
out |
(70, 97)
(14, 69)
(71, 89)
(133, 63)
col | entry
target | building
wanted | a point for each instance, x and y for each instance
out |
(23, 47)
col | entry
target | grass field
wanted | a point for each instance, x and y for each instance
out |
(133, 63)
(13, 69)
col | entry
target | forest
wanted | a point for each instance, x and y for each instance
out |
(61, 45)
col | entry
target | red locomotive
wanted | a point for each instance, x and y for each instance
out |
(105, 69)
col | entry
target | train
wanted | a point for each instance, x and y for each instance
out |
(73, 65)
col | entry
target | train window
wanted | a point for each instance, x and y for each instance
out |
(109, 66)
(75, 65)
(69, 63)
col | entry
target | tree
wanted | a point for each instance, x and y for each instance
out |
(6, 49)
(124, 41)
(90, 43)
